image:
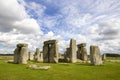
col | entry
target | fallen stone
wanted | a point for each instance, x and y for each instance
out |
(34, 66)
(10, 61)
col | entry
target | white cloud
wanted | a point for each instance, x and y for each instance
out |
(37, 8)
(94, 22)
(105, 6)
(106, 34)
(14, 16)
(110, 29)
(49, 22)
(100, 22)
(27, 26)
(10, 10)
(16, 25)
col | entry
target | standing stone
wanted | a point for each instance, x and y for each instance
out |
(30, 56)
(67, 55)
(54, 49)
(38, 55)
(21, 54)
(41, 57)
(16, 55)
(45, 53)
(79, 52)
(70, 54)
(73, 56)
(104, 57)
(82, 52)
(95, 56)
(50, 51)
(82, 45)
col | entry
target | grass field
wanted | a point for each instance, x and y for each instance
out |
(113, 58)
(77, 71)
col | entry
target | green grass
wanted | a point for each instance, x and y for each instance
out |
(113, 58)
(77, 71)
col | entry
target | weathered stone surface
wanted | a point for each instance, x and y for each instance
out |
(79, 55)
(50, 42)
(16, 55)
(21, 54)
(104, 57)
(22, 45)
(67, 55)
(95, 56)
(73, 56)
(70, 54)
(38, 55)
(82, 45)
(10, 61)
(45, 53)
(30, 56)
(41, 57)
(82, 52)
(50, 51)
(54, 49)
(33, 66)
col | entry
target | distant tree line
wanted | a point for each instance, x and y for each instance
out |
(112, 55)
(6, 54)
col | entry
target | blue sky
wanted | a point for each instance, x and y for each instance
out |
(96, 22)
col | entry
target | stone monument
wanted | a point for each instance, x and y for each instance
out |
(70, 55)
(38, 55)
(82, 52)
(67, 55)
(30, 56)
(104, 57)
(95, 56)
(21, 53)
(50, 51)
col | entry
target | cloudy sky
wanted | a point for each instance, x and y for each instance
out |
(96, 22)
